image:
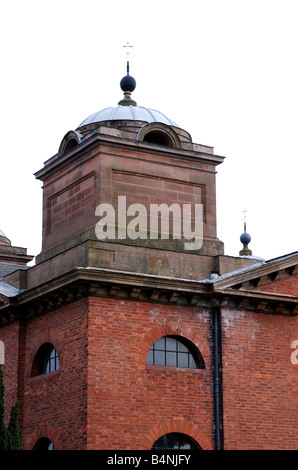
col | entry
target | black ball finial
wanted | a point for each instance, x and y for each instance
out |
(245, 238)
(128, 83)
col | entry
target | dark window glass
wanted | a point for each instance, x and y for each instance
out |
(150, 357)
(174, 351)
(159, 357)
(171, 358)
(184, 360)
(175, 441)
(171, 343)
(49, 361)
(161, 343)
(53, 362)
(158, 137)
(46, 360)
(44, 444)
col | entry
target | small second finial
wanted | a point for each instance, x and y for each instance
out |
(127, 84)
(245, 238)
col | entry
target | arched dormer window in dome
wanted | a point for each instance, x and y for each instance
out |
(160, 134)
(69, 141)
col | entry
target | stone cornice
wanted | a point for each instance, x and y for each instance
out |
(83, 282)
(254, 273)
(95, 138)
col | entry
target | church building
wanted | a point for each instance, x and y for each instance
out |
(133, 329)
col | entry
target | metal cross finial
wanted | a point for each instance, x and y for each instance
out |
(127, 50)
(244, 218)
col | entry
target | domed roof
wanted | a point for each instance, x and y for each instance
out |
(128, 113)
(3, 239)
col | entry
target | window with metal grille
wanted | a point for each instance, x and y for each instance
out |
(174, 351)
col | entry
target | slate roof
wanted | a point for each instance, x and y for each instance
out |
(7, 268)
(7, 290)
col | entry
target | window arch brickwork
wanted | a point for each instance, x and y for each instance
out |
(178, 426)
(47, 336)
(167, 329)
(42, 432)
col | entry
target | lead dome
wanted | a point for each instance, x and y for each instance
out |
(128, 113)
(127, 109)
(129, 121)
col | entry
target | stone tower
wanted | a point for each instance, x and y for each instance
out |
(122, 338)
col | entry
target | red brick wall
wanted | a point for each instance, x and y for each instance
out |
(52, 405)
(104, 397)
(129, 406)
(287, 285)
(10, 336)
(259, 381)
(56, 402)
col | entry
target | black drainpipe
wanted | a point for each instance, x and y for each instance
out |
(217, 385)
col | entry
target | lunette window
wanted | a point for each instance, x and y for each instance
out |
(174, 351)
(44, 444)
(175, 441)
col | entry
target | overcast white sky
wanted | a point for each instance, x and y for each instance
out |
(224, 70)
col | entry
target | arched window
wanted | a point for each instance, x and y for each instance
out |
(72, 143)
(177, 441)
(46, 360)
(159, 137)
(175, 351)
(71, 140)
(160, 134)
(44, 444)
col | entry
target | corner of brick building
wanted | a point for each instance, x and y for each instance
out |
(104, 303)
